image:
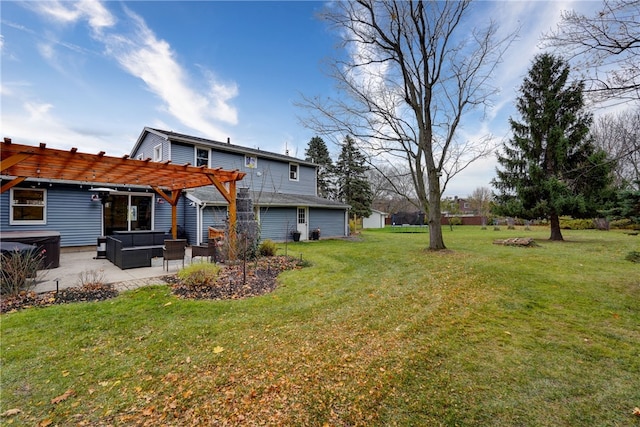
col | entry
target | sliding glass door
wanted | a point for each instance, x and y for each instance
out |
(125, 212)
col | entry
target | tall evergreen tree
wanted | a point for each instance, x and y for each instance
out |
(318, 153)
(549, 166)
(353, 186)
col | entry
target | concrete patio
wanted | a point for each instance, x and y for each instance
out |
(74, 263)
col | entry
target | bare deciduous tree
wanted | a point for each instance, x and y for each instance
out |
(619, 136)
(480, 201)
(413, 70)
(392, 187)
(605, 47)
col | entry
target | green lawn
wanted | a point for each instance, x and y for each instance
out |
(378, 331)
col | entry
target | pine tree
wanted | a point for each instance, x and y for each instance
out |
(318, 153)
(549, 166)
(353, 186)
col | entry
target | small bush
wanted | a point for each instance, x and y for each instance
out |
(623, 224)
(200, 274)
(91, 277)
(19, 270)
(576, 224)
(455, 220)
(267, 248)
(633, 256)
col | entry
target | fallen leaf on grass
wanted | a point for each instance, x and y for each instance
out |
(148, 411)
(62, 397)
(636, 412)
(168, 304)
(10, 412)
(45, 423)
(217, 349)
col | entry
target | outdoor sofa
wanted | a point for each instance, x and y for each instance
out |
(132, 249)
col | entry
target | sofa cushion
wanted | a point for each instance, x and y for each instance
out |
(143, 239)
(126, 239)
(158, 238)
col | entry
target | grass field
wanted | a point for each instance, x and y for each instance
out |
(377, 331)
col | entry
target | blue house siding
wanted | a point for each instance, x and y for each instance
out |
(277, 223)
(331, 222)
(182, 154)
(190, 221)
(163, 215)
(75, 216)
(69, 211)
(147, 146)
(269, 175)
(226, 160)
(273, 176)
(212, 216)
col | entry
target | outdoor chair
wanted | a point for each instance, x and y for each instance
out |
(173, 250)
(206, 250)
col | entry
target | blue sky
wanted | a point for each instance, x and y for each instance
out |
(93, 74)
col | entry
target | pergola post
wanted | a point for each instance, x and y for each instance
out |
(173, 201)
(233, 213)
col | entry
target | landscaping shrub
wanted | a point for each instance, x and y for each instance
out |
(576, 224)
(623, 224)
(19, 271)
(200, 274)
(633, 256)
(267, 248)
(91, 277)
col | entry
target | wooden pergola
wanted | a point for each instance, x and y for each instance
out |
(20, 162)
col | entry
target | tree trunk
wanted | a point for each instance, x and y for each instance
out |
(436, 242)
(556, 234)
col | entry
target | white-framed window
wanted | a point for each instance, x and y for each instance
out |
(250, 162)
(202, 157)
(28, 206)
(157, 153)
(293, 171)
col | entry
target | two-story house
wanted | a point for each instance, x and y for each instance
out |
(283, 188)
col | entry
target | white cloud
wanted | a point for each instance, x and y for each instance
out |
(167, 79)
(37, 122)
(478, 174)
(142, 54)
(64, 12)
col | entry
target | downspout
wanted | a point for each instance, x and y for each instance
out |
(200, 222)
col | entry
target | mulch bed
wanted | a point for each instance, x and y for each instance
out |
(238, 281)
(28, 299)
(234, 282)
